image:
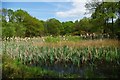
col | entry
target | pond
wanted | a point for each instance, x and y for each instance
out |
(98, 70)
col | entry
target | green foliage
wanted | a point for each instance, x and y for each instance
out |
(20, 15)
(117, 28)
(68, 27)
(20, 30)
(24, 24)
(8, 30)
(11, 15)
(103, 15)
(52, 39)
(85, 25)
(103, 20)
(34, 27)
(53, 26)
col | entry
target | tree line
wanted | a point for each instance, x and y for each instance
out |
(105, 19)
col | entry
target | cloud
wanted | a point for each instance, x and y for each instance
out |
(77, 10)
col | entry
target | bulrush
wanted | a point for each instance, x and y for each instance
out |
(30, 54)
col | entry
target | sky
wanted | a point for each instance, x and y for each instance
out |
(63, 10)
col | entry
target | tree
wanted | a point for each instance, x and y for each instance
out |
(10, 15)
(92, 5)
(33, 27)
(117, 23)
(104, 14)
(20, 30)
(20, 15)
(4, 15)
(117, 28)
(8, 30)
(23, 24)
(0, 26)
(84, 25)
(53, 26)
(68, 27)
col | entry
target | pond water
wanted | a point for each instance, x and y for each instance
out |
(94, 71)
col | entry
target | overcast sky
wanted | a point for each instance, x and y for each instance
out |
(63, 10)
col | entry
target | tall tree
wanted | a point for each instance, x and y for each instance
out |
(20, 15)
(4, 15)
(53, 26)
(68, 27)
(105, 14)
(8, 30)
(11, 15)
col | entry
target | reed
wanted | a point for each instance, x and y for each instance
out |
(44, 55)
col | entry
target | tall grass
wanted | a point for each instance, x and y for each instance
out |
(36, 55)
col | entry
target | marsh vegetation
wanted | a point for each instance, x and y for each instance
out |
(85, 48)
(83, 58)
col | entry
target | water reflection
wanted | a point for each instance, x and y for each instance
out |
(88, 70)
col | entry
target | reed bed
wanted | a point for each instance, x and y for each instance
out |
(30, 54)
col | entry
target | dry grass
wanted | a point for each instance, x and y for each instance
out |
(96, 43)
